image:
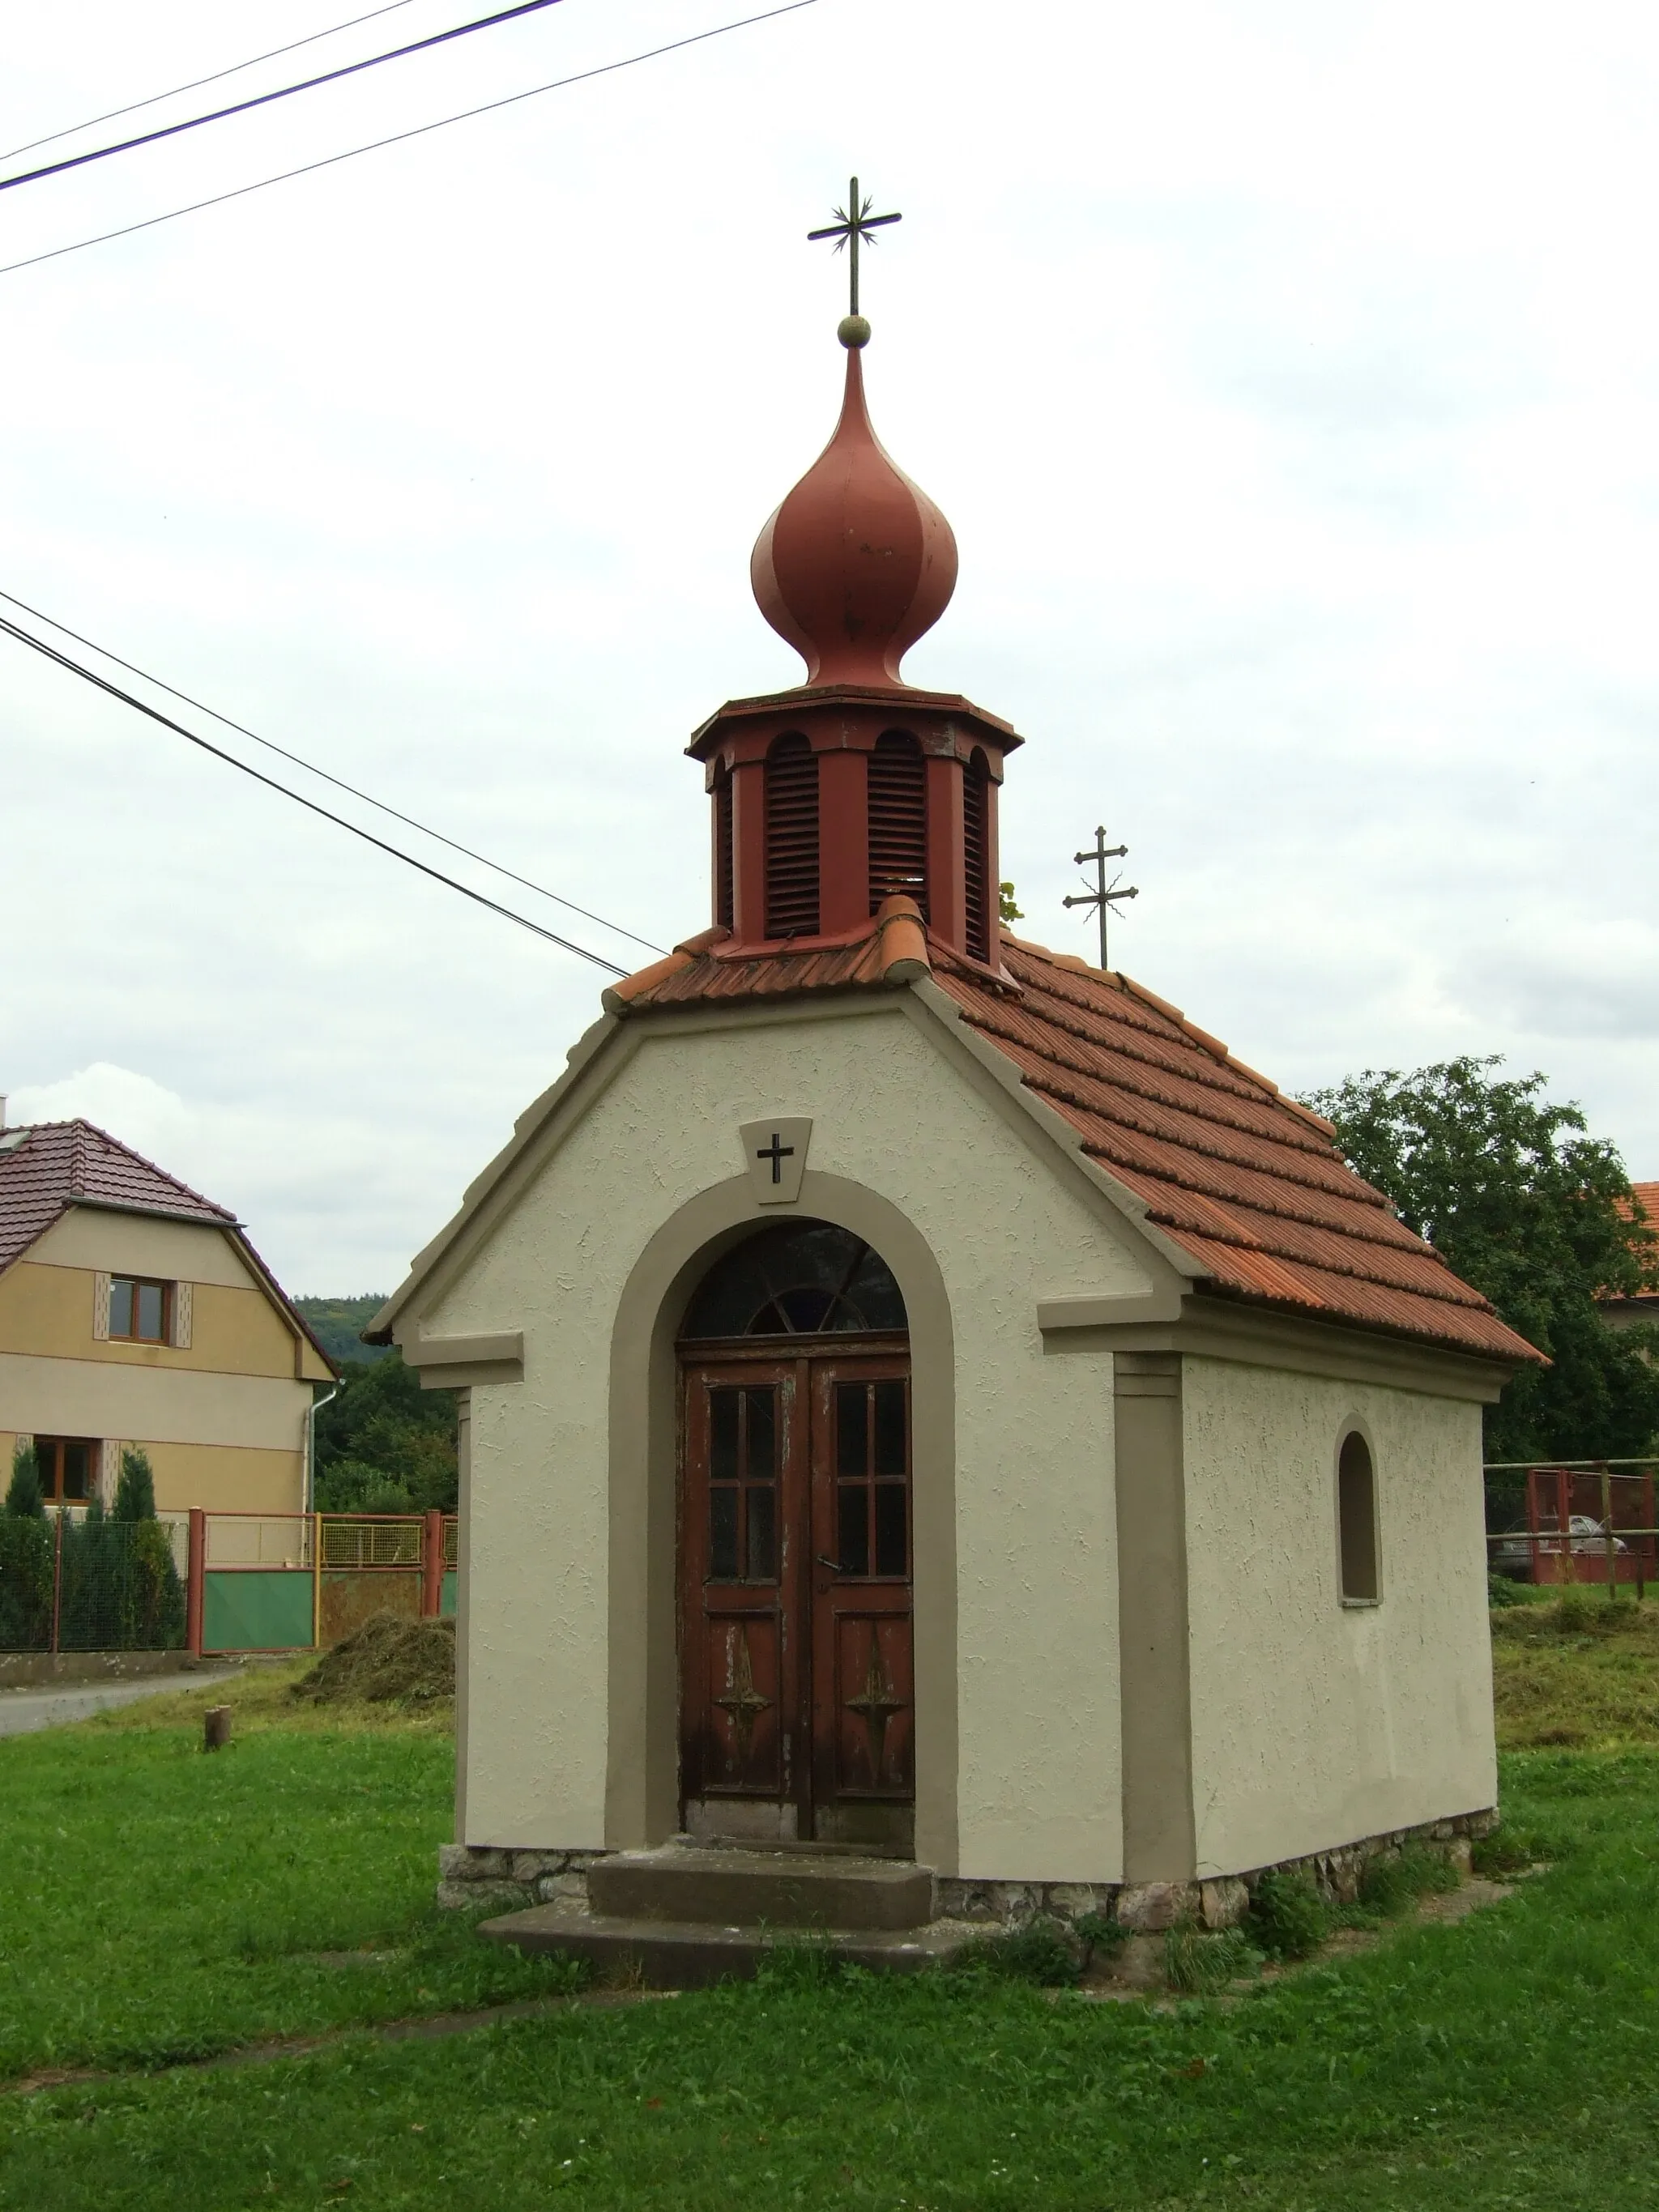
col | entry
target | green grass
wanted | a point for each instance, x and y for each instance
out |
(1511, 2061)
(157, 1902)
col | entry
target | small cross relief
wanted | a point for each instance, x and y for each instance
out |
(774, 1156)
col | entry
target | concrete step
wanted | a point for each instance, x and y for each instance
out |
(667, 1954)
(744, 1887)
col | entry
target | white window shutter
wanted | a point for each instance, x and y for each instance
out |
(109, 1470)
(181, 1315)
(101, 1309)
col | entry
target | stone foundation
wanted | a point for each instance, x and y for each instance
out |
(477, 1875)
(473, 1874)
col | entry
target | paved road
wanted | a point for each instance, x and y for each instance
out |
(22, 1710)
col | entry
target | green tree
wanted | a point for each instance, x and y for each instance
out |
(134, 1487)
(384, 1445)
(1528, 1208)
(23, 1498)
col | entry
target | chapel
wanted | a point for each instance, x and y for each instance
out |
(935, 1425)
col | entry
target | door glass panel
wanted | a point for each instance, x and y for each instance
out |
(76, 1467)
(762, 1435)
(851, 1528)
(763, 1533)
(890, 1546)
(723, 1534)
(723, 1435)
(850, 1455)
(890, 1428)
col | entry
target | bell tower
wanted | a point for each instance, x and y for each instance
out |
(853, 787)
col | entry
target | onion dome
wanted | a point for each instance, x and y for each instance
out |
(857, 563)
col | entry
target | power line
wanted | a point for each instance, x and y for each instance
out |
(339, 782)
(283, 92)
(582, 76)
(196, 82)
(89, 676)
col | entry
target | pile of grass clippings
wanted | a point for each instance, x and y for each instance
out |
(388, 1660)
(1577, 1673)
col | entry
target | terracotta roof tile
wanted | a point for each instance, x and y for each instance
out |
(58, 1161)
(1248, 1184)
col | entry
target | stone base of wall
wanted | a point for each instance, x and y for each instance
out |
(476, 1874)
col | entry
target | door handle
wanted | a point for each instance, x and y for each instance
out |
(834, 1565)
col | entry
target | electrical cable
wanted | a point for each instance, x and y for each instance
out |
(558, 84)
(89, 676)
(196, 82)
(339, 782)
(283, 92)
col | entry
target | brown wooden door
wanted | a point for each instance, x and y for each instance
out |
(795, 1572)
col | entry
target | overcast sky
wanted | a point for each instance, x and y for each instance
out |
(1288, 372)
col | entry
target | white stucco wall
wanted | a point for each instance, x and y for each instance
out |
(1316, 1724)
(1038, 1715)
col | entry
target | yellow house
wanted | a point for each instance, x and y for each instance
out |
(133, 1311)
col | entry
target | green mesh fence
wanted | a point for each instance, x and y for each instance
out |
(111, 1585)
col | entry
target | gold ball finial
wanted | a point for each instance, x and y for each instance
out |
(853, 331)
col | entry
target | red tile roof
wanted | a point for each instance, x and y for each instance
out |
(58, 1161)
(1244, 1181)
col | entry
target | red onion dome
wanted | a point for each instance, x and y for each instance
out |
(857, 563)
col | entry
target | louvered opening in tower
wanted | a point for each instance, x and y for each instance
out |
(792, 839)
(976, 841)
(897, 804)
(723, 862)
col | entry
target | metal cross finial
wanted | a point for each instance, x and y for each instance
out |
(1104, 894)
(853, 222)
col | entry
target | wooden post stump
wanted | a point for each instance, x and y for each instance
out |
(216, 1728)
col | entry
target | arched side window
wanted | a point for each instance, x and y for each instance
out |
(1356, 1522)
(799, 1279)
(723, 849)
(792, 838)
(898, 815)
(976, 855)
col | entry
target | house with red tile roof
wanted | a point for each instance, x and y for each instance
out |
(923, 1395)
(1643, 1309)
(135, 1312)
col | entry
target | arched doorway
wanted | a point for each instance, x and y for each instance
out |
(797, 1691)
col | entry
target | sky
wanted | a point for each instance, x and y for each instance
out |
(1289, 372)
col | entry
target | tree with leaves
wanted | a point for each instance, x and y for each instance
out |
(1533, 1212)
(384, 1445)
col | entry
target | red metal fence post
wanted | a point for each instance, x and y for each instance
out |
(432, 1566)
(196, 1581)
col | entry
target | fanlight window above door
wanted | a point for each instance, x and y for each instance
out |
(804, 1279)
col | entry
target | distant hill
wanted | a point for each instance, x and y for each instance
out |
(337, 1322)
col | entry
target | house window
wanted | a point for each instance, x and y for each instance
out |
(1356, 1521)
(67, 1468)
(139, 1311)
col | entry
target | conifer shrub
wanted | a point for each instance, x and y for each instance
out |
(135, 1490)
(23, 1498)
(1288, 1917)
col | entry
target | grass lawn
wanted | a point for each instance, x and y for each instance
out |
(158, 1904)
(1509, 2061)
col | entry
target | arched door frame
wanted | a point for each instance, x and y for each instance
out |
(642, 1773)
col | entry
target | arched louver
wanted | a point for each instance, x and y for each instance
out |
(792, 839)
(898, 820)
(723, 853)
(976, 841)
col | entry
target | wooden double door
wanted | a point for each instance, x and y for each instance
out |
(796, 1670)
